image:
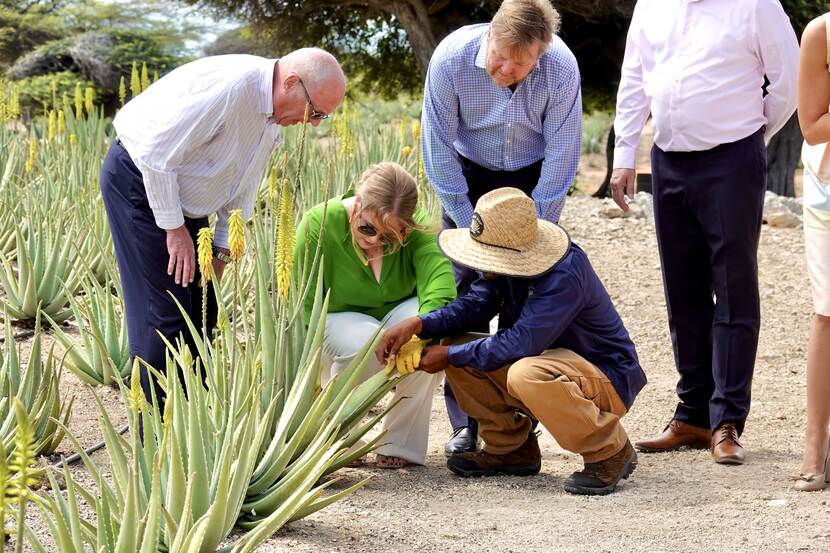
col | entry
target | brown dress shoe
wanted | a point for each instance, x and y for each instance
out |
(725, 447)
(524, 461)
(601, 478)
(676, 435)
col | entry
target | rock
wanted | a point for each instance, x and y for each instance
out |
(781, 212)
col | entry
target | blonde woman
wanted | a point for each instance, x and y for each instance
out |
(380, 264)
(813, 102)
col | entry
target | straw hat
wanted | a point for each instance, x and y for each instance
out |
(506, 238)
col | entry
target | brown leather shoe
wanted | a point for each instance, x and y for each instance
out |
(725, 447)
(524, 461)
(677, 434)
(601, 478)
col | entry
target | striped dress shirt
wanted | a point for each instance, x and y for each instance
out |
(201, 137)
(466, 112)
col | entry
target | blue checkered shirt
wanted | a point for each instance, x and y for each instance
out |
(466, 112)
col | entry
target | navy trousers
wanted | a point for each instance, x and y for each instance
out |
(707, 209)
(481, 180)
(141, 253)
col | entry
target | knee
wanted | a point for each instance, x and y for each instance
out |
(520, 376)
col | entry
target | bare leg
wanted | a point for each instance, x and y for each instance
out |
(818, 392)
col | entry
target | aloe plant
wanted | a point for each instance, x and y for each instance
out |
(45, 272)
(36, 386)
(103, 348)
(220, 451)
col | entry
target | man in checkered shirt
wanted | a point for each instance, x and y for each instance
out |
(502, 107)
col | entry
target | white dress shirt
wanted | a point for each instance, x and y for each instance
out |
(201, 137)
(698, 67)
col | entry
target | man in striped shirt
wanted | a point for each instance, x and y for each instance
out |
(196, 143)
(502, 107)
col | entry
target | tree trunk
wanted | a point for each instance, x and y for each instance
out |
(783, 153)
(604, 190)
(414, 18)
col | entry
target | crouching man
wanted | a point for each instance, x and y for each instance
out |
(564, 358)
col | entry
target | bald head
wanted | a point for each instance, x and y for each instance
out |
(321, 75)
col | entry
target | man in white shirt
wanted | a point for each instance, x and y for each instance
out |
(194, 143)
(698, 67)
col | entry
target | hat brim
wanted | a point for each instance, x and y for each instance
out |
(539, 257)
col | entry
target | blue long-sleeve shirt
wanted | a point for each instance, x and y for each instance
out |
(466, 112)
(567, 307)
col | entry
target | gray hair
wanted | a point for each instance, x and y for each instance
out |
(316, 67)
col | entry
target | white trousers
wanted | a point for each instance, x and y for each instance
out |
(407, 424)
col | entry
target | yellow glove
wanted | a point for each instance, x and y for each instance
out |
(408, 357)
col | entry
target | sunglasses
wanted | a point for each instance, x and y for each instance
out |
(318, 115)
(369, 230)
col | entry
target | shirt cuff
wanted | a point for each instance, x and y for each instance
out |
(625, 157)
(220, 234)
(457, 355)
(459, 208)
(162, 189)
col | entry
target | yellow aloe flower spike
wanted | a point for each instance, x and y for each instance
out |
(136, 397)
(285, 240)
(122, 91)
(89, 99)
(236, 234)
(79, 102)
(416, 131)
(401, 131)
(73, 139)
(13, 109)
(22, 463)
(204, 252)
(155, 76)
(135, 81)
(30, 162)
(406, 151)
(52, 125)
(145, 77)
(61, 123)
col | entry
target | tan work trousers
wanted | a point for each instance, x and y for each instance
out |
(570, 396)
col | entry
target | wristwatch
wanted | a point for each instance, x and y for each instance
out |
(222, 256)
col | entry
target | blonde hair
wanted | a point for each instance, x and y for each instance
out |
(389, 192)
(520, 23)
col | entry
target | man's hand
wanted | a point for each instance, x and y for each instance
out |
(622, 184)
(182, 262)
(395, 337)
(434, 359)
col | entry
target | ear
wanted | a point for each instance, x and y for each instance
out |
(290, 81)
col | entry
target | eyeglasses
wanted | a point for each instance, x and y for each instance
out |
(368, 229)
(318, 115)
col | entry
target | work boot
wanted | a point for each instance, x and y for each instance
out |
(524, 461)
(601, 478)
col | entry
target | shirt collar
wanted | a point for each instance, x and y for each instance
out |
(481, 56)
(266, 87)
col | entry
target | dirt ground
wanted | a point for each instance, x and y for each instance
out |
(678, 501)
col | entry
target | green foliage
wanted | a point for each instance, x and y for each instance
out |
(595, 128)
(133, 47)
(22, 32)
(36, 92)
(802, 12)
